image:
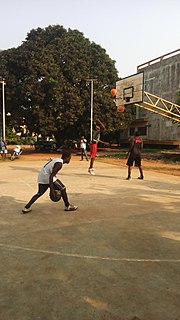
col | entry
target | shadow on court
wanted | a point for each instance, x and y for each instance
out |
(116, 258)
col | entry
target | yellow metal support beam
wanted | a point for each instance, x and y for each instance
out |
(160, 106)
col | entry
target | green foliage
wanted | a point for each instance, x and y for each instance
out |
(13, 139)
(46, 84)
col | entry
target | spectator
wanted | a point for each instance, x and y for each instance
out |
(3, 149)
(83, 148)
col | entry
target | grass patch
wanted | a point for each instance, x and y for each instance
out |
(112, 155)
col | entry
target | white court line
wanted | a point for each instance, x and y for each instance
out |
(87, 257)
(28, 184)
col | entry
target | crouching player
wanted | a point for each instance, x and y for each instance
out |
(47, 179)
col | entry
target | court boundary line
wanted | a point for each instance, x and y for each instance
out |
(74, 255)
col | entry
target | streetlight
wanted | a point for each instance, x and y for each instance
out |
(92, 92)
(3, 110)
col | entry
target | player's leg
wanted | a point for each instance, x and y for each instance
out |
(141, 173)
(138, 164)
(82, 153)
(41, 190)
(58, 185)
(129, 173)
(130, 165)
(3, 156)
(85, 153)
(93, 152)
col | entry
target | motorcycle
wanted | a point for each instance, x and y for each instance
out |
(16, 153)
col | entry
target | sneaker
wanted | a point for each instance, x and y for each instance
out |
(141, 178)
(71, 208)
(25, 210)
(91, 171)
(128, 178)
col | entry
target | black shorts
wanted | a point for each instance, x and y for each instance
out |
(134, 159)
(57, 185)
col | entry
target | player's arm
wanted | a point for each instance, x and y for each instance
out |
(100, 124)
(56, 168)
(104, 142)
(130, 148)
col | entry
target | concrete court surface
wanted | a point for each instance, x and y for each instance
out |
(116, 258)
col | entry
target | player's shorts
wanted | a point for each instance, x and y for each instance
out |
(93, 150)
(57, 185)
(4, 151)
(136, 160)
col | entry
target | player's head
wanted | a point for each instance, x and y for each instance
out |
(66, 156)
(136, 134)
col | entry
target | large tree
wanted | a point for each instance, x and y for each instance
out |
(47, 87)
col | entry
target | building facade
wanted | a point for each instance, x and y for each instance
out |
(161, 78)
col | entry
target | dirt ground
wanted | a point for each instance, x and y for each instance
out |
(149, 161)
(155, 165)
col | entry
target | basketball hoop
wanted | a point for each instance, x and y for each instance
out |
(120, 108)
(130, 90)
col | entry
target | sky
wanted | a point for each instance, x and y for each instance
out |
(131, 31)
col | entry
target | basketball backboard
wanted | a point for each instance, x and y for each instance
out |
(130, 89)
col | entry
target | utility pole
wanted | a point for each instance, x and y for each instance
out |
(91, 81)
(3, 110)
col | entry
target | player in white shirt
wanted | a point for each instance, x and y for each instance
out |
(47, 179)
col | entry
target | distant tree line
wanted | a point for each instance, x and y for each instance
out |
(47, 88)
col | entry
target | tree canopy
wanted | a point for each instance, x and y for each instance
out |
(47, 88)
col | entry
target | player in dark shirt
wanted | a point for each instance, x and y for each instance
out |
(134, 155)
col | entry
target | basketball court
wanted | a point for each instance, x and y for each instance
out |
(116, 258)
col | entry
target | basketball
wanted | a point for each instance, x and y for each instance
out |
(113, 92)
(120, 108)
(55, 196)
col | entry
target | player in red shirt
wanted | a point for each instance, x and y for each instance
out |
(94, 143)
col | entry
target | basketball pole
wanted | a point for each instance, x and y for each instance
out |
(92, 91)
(92, 105)
(3, 110)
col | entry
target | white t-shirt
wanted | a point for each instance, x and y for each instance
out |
(46, 171)
(17, 148)
(83, 144)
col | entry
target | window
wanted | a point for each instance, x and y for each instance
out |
(142, 131)
(132, 131)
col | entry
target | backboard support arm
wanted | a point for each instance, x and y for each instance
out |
(160, 106)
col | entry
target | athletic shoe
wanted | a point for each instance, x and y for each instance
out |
(25, 210)
(141, 178)
(91, 171)
(71, 208)
(128, 178)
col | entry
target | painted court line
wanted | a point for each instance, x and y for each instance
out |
(87, 257)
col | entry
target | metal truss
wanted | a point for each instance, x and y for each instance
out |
(160, 106)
